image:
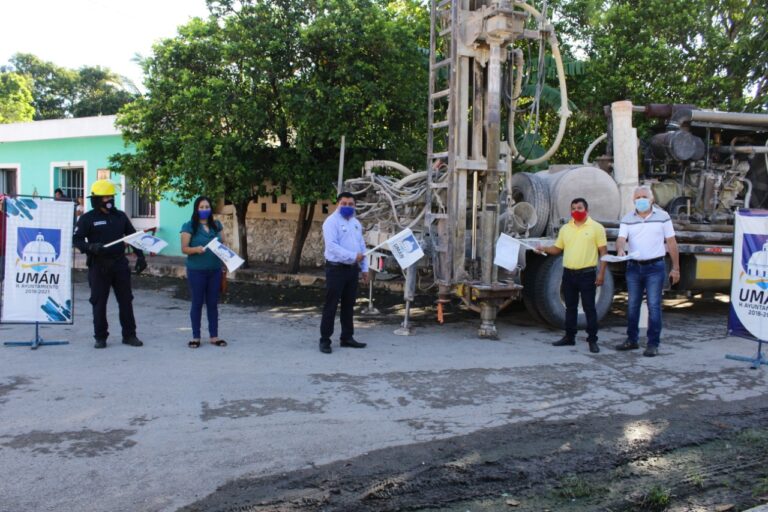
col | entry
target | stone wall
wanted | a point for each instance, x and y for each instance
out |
(270, 239)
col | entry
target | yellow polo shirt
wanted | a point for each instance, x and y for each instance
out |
(580, 243)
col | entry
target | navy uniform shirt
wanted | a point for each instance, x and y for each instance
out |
(97, 226)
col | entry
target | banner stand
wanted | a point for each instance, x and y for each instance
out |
(37, 342)
(756, 361)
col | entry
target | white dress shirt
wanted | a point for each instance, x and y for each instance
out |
(343, 240)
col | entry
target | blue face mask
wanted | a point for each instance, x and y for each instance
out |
(347, 211)
(204, 214)
(643, 204)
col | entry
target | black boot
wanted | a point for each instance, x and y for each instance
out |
(132, 341)
(352, 343)
(565, 341)
(100, 343)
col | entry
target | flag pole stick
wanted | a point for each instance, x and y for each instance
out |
(127, 237)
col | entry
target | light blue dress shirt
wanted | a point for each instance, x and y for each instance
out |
(343, 240)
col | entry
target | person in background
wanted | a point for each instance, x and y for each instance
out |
(648, 233)
(108, 266)
(58, 195)
(345, 263)
(204, 270)
(79, 208)
(581, 242)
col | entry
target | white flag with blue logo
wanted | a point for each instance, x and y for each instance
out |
(225, 254)
(146, 242)
(405, 248)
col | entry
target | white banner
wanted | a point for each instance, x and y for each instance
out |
(38, 261)
(225, 254)
(405, 248)
(748, 316)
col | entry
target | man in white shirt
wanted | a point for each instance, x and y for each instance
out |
(345, 263)
(646, 231)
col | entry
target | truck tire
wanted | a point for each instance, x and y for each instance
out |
(528, 280)
(549, 300)
(532, 189)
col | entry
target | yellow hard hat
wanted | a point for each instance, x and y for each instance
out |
(103, 188)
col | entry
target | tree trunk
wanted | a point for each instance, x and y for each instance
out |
(303, 225)
(241, 210)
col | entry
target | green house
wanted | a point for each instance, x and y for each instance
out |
(38, 157)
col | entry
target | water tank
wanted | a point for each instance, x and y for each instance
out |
(590, 183)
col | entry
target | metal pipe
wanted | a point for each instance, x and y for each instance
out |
(492, 124)
(372, 164)
(591, 147)
(340, 182)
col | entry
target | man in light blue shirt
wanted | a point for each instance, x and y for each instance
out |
(345, 263)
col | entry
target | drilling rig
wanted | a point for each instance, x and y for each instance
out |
(701, 166)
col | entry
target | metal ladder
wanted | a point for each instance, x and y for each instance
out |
(440, 135)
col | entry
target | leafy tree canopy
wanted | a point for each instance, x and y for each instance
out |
(59, 93)
(15, 99)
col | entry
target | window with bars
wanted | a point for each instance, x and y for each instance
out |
(70, 181)
(141, 206)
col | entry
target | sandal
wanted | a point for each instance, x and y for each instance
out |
(194, 344)
(219, 343)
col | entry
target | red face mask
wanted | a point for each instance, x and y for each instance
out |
(579, 216)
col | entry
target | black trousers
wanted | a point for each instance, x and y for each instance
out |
(103, 274)
(340, 284)
(575, 284)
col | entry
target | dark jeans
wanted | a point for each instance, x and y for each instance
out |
(575, 284)
(340, 284)
(204, 287)
(103, 274)
(648, 279)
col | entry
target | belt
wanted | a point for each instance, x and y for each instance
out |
(648, 262)
(340, 265)
(579, 270)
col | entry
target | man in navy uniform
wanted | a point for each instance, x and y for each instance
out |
(345, 263)
(108, 266)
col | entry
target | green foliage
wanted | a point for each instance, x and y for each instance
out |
(575, 487)
(657, 498)
(15, 99)
(709, 53)
(59, 92)
(262, 91)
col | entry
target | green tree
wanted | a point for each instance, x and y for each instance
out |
(61, 93)
(15, 99)
(262, 92)
(710, 53)
(203, 126)
(364, 76)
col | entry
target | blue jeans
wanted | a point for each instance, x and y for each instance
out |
(648, 279)
(582, 283)
(204, 287)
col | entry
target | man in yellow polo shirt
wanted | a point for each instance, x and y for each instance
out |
(581, 241)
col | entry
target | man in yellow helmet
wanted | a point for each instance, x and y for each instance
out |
(108, 266)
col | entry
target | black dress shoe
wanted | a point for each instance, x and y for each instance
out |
(352, 343)
(564, 342)
(651, 351)
(133, 341)
(627, 345)
(100, 344)
(593, 347)
(325, 346)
